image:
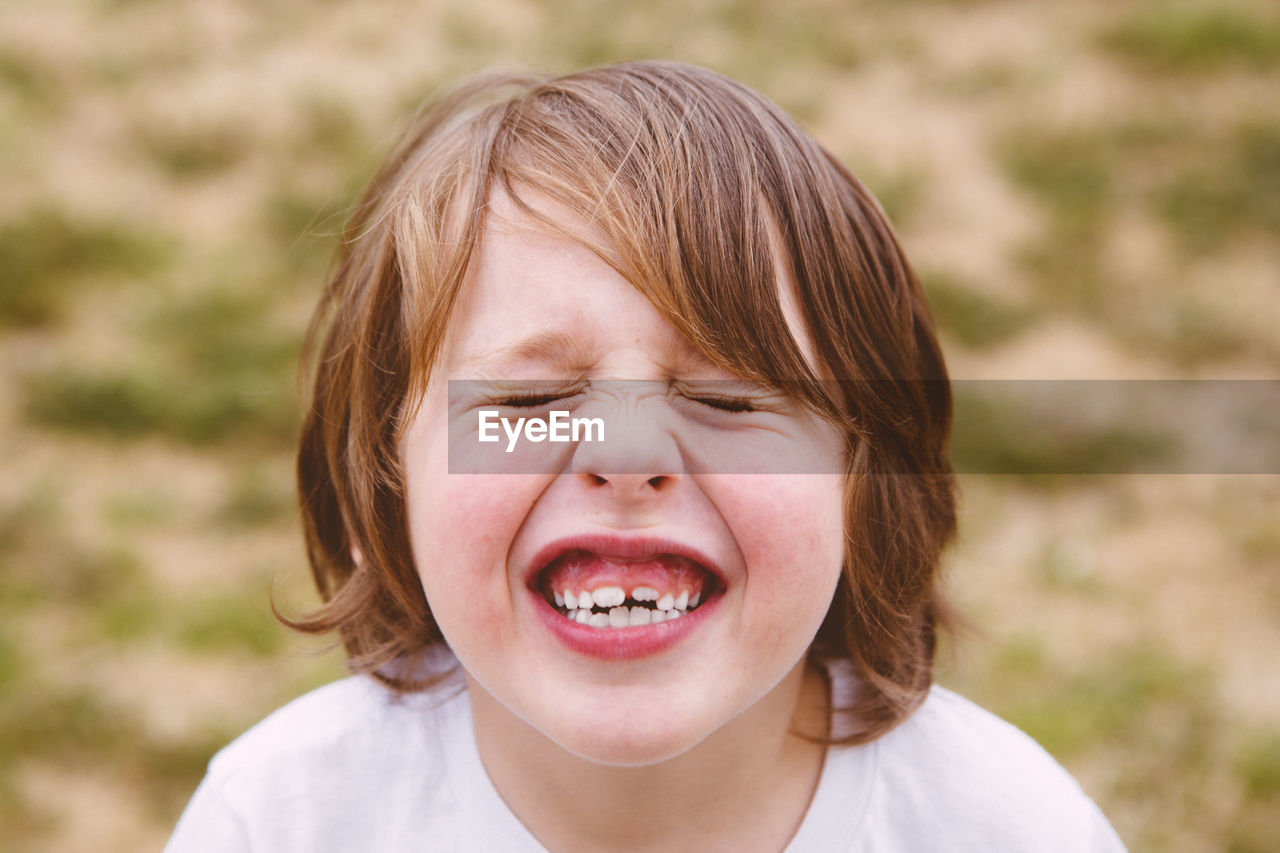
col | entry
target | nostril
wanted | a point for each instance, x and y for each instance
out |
(628, 485)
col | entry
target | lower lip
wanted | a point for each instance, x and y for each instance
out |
(639, 641)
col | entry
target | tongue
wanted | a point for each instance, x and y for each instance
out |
(579, 570)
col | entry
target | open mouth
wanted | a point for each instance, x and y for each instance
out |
(607, 593)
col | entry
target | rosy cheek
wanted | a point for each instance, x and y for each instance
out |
(477, 497)
(465, 512)
(471, 520)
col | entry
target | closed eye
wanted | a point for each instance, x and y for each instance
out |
(529, 401)
(726, 404)
(534, 394)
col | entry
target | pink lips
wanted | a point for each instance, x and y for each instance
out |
(621, 643)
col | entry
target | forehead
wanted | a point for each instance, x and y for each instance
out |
(535, 296)
(541, 288)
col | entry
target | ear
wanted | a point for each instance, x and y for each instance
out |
(357, 556)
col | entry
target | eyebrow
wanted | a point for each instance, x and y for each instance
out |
(553, 347)
(560, 350)
(680, 354)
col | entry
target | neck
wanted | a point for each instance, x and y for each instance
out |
(744, 787)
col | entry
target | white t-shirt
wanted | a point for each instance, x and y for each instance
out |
(351, 767)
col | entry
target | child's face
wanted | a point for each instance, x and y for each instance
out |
(760, 552)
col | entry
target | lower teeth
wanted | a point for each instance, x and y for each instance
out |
(620, 617)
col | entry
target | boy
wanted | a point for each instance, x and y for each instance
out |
(673, 638)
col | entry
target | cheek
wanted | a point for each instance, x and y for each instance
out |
(461, 528)
(791, 535)
(466, 514)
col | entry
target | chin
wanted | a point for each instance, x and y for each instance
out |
(624, 741)
(630, 752)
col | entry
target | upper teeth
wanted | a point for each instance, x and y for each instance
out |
(612, 601)
(607, 596)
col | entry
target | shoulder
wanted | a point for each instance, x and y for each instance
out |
(986, 783)
(971, 739)
(354, 719)
(349, 763)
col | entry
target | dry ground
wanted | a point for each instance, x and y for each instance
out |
(1089, 190)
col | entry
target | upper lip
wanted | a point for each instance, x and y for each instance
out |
(631, 548)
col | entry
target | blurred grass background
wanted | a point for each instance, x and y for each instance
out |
(1089, 190)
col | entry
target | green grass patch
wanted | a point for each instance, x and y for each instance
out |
(1071, 170)
(40, 565)
(70, 724)
(227, 333)
(959, 4)
(27, 527)
(593, 34)
(1245, 517)
(26, 518)
(1067, 269)
(328, 131)
(229, 623)
(1258, 767)
(194, 153)
(256, 500)
(129, 613)
(72, 727)
(1137, 695)
(302, 221)
(213, 367)
(301, 227)
(767, 39)
(304, 212)
(985, 79)
(1072, 173)
(11, 661)
(124, 405)
(1192, 38)
(1234, 189)
(808, 32)
(117, 405)
(1259, 541)
(41, 89)
(1210, 186)
(973, 318)
(49, 253)
(89, 576)
(1190, 332)
(1254, 831)
(132, 510)
(169, 772)
(1002, 428)
(1256, 824)
(901, 194)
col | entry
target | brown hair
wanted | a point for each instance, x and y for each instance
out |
(698, 186)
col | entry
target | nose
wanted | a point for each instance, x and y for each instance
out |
(639, 458)
(629, 487)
